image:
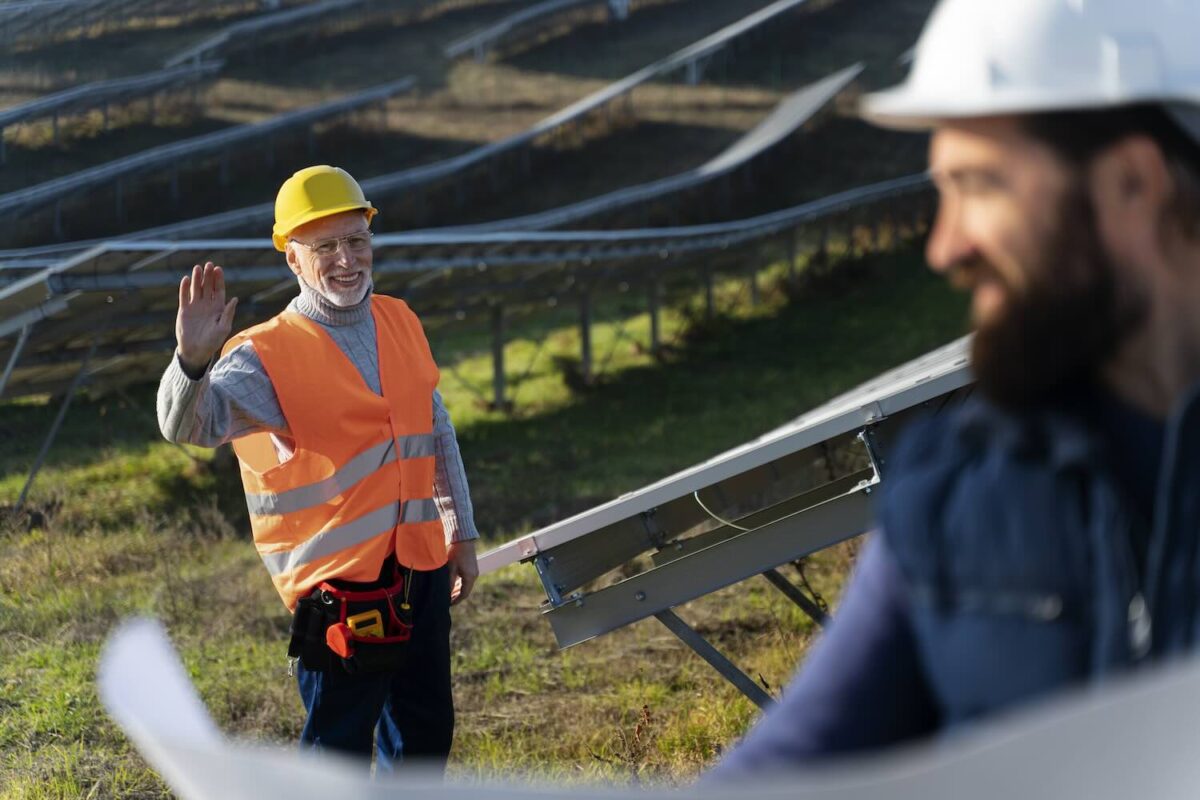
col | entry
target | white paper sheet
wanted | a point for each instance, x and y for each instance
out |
(1133, 739)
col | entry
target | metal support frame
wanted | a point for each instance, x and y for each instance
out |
(498, 378)
(58, 421)
(715, 658)
(653, 298)
(793, 593)
(16, 355)
(707, 569)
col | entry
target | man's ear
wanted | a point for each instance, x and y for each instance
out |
(293, 259)
(1131, 190)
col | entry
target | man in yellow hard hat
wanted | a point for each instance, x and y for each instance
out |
(357, 495)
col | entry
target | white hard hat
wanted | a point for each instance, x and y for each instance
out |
(990, 57)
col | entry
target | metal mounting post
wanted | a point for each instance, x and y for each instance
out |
(553, 592)
(58, 421)
(16, 354)
(498, 357)
(655, 328)
(793, 256)
(715, 658)
(585, 336)
(710, 299)
(798, 597)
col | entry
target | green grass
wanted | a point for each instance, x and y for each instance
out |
(127, 524)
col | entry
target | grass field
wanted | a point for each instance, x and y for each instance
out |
(126, 523)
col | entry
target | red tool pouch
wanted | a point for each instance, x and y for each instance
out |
(362, 631)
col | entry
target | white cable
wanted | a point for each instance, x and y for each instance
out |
(699, 502)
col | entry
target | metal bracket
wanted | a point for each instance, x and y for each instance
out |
(553, 592)
(867, 437)
(798, 597)
(58, 421)
(715, 658)
(656, 535)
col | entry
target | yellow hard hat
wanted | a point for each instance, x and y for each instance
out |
(312, 193)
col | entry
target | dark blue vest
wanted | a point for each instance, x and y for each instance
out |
(1016, 542)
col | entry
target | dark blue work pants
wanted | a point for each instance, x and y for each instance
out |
(408, 713)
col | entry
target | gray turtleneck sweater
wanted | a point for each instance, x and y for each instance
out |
(235, 398)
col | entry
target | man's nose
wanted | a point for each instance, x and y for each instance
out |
(344, 256)
(948, 242)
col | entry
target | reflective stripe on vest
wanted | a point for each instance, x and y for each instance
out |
(365, 528)
(359, 483)
(361, 466)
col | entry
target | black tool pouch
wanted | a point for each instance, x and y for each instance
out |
(312, 618)
(324, 634)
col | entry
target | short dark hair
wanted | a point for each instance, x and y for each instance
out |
(1079, 136)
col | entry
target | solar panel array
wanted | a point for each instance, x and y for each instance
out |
(37, 21)
(523, 22)
(461, 168)
(788, 117)
(121, 296)
(103, 94)
(110, 307)
(285, 22)
(78, 184)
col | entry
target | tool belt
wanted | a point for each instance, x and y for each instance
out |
(359, 631)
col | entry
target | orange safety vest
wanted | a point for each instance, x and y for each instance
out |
(359, 485)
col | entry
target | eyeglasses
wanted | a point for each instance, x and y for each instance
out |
(357, 242)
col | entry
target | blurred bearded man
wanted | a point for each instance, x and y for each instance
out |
(1046, 533)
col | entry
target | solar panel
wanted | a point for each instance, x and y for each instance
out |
(789, 116)
(76, 184)
(742, 513)
(522, 20)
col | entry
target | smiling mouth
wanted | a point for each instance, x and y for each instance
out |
(346, 280)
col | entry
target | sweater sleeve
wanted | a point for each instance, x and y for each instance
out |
(450, 489)
(233, 398)
(863, 687)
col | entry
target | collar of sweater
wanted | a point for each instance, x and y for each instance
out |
(313, 305)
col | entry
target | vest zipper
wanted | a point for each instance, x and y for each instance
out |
(1139, 622)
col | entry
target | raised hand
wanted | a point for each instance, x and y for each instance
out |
(204, 319)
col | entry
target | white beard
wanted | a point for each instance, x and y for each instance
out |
(342, 298)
